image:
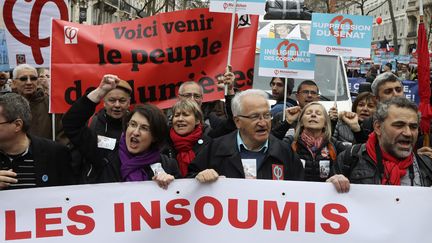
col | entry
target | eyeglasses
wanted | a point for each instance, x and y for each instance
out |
(1, 123)
(142, 128)
(308, 92)
(25, 78)
(256, 117)
(190, 95)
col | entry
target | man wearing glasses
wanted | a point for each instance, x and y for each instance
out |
(307, 92)
(28, 161)
(250, 151)
(25, 83)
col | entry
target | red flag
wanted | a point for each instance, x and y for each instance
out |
(424, 79)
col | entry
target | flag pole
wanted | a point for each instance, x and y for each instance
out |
(231, 41)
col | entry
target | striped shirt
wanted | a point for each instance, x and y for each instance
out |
(23, 165)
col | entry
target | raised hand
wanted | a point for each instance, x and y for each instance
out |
(292, 114)
(351, 119)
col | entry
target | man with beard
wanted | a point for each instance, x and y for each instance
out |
(251, 151)
(387, 157)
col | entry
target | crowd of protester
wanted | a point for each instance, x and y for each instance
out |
(377, 142)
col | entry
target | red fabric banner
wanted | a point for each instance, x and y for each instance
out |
(424, 79)
(155, 55)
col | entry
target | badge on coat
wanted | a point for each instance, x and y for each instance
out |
(106, 142)
(277, 172)
(324, 168)
(157, 168)
(250, 168)
(325, 152)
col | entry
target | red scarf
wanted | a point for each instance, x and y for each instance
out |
(183, 145)
(312, 144)
(394, 169)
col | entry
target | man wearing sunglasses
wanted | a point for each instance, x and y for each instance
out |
(25, 83)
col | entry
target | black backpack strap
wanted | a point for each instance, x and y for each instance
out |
(350, 159)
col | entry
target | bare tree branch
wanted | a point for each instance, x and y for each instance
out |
(370, 11)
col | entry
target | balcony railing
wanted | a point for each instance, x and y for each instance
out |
(412, 34)
(114, 3)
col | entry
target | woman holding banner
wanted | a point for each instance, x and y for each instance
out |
(137, 158)
(187, 134)
(312, 141)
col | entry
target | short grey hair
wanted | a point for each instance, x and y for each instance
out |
(182, 86)
(382, 79)
(236, 103)
(401, 102)
(21, 67)
(15, 107)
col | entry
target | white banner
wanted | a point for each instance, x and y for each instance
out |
(243, 6)
(28, 29)
(228, 210)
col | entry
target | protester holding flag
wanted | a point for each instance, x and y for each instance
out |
(137, 157)
(187, 137)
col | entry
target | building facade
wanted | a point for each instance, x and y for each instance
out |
(406, 13)
(104, 11)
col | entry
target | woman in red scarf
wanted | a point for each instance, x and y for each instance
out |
(186, 134)
(312, 141)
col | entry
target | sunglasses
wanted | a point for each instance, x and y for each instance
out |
(25, 78)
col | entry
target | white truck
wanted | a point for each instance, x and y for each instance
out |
(325, 67)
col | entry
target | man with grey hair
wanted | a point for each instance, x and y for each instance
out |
(387, 157)
(28, 161)
(384, 87)
(25, 83)
(251, 151)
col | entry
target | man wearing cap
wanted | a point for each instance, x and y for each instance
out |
(108, 121)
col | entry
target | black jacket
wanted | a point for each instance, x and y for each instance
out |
(313, 166)
(169, 150)
(98, 165)
(52, 162)
(359, 167)
(222, 155)
(106, 126)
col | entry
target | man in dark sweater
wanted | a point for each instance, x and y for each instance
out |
(28, 161)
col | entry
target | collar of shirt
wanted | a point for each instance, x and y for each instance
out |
(241, 144)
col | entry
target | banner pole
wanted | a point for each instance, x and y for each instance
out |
(53, 126)
(285, 98)
(337, 81)
(231, 41)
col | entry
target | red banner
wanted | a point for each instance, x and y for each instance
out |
(155, 55)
